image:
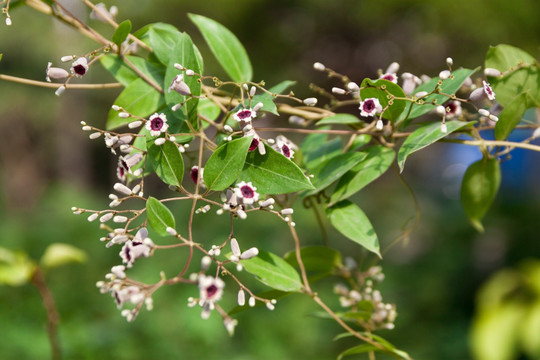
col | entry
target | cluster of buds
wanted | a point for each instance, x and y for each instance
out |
(79, 68)
(365, 296)
(238, 199)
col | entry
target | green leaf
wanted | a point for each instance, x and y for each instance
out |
(316, 149)
(479, 188)
(316, 259)
(59, 254)
(163, 39)
(380, 89)
(351, 221)
(15, 267)
(358, 349)
(525, 79)
(511, 116)
(376, 162)
(424, 136)
(273, 271)
(139, 99)
(341, 119)
(273, 173)
(226, 163)
(125, 75)
(1, 56)
(183, 53)
(121, 33)
(449, 86)
(334, 168)
(167, 162)
(159, 216)
(226, 47)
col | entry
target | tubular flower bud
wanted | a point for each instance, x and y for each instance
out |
(318, 66)
(180, 86)
(55, 73)
(310, 101)
(492, 72)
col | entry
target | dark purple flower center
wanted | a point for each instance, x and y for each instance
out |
(156, 123)
(244, 114)
(211, 291)
(79, 70)
(286, 151)
(369, 106)
(254, 144)
(488, 89)
(194, 173)
(451, 108)
(388, 77)
(247, 192)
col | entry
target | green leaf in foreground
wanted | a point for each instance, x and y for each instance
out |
(125, 75)
(59, 254)
(426, 135)
(333, 169)
(273, 173)
(138, 98)
(159, 216)
(273, 271)
(479, 188)
(167, 161)
(376, 162)
(319, 259)
(226, 47)
(340, 119)
(15, 267)
(121, 33)
(351, 221)
(226, 163)
(511, 116)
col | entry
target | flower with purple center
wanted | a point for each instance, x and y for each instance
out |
(210, 291)
(125, 163)
(246, 192)
(254, 143)
(196, 174)
(453, 109)
(284, 146)
(140, 246)
(157, 124)
(245, 115)
(370, 107)
(79, 67)
(390, 77)
(180, 86)
(488, 90)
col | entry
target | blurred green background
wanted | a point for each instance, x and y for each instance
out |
(48, 165)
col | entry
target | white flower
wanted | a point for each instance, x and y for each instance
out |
(79, 67)
(453, 109)
(488, 90)
(390, 77)
(125, 164)
(245, 115)
(370, 107)
(157, 124)
(180, 86)
(285, 146)
(246, 192)
(140, 246)
(196, 175)
(210, 291)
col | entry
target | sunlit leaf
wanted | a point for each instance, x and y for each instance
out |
(424, 136)
(125, 75)
(159, 216)
(273, 271)
(15, 267)
(333, 169)
(59, 254)
(382, 90)
(376, 162)
(511, 116)
(273, 173)
(341, 119)
(121, 33)
(351, 221)
(479, 188)
(226, 47)
(167, 162)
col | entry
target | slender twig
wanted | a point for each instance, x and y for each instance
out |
(481, 143)
(38, 280)
(57, 85)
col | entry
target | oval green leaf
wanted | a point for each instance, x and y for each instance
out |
(15, 267)
(382, 90)
(511, 116)
(159, 216)
(352, 222)
(334, 168)
(121, 33)
(163, 39)
(125, 75)
(226, 163)
(479, 188)
(424, 136)
(319, 259)
(226, 47)
(377, 161)
(167, 162)
(273, 271)
(273, 173)
(59, 254)
(139, 99)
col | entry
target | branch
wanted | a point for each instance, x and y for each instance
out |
(57, 85)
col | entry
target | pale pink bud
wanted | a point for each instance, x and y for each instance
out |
(241, 298)
(318, 66)
(492, 72)
(249, 253)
